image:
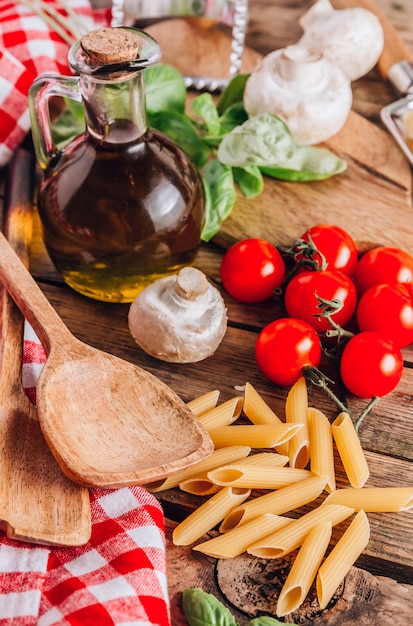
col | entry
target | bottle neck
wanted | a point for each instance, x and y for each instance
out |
(115, 107)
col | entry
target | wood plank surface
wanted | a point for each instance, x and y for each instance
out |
(378, 591)
(386, 436)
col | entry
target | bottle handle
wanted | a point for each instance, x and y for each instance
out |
(43, 88)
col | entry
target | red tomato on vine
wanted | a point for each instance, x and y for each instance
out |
(334, 245)
(284, 347)
(303, 293)
(388, 309)
(383, 265)
(371, 365)
(251, 270)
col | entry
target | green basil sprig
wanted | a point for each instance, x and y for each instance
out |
(204, 609)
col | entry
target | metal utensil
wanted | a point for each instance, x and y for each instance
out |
(233, 13)
(38, 503)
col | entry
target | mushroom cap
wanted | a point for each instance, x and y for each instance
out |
(180, 318)
(351, 38)
(304, 89)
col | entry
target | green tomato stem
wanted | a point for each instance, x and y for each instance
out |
(362, 415)
(315, 377)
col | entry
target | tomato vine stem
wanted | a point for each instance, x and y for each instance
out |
(315, 377)
(365, 411)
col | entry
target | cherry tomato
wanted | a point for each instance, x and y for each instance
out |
(251, 270)
(388, 309)
(336, 245)
(383, 265)
(284, 347)
(371, 365)
(301, 297)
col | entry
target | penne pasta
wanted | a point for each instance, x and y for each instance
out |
(374, 499)
(208, 515)
(296, 410)
(321, 447)
(350, 450)
(256, 436)
(236, 541)
(219, 457)
(222, 415)
(342, 557)
(287, 539)
(199, 486)
(276, 502)
(257, 477)
(265, 459)
(204, 486)
(256, 409)
(304, 569)
(203, 403)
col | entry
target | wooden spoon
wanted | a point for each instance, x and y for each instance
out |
(108, 422)
(38, 503)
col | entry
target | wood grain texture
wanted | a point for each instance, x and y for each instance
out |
(386, 434)
(367, 597)
(38, 503)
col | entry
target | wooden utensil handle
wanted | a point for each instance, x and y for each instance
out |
(395, 49)
(30, 299)
(18, 222)
(18, 230)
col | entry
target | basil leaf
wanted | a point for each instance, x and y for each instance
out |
(181, 130)
(306, 164)
(205, 108)
(267, 621)
(261, 140)
(250, 180)
(204, 609)
(165, 89)
(220, 196)
(233, 92)
(233, 116)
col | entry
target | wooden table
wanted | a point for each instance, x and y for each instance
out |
(380, 589)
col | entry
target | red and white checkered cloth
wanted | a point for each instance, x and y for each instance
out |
(28, 47)
(117, 578)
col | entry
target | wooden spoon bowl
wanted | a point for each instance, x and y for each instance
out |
(129, 428)
(108, 422)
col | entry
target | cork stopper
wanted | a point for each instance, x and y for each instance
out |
(109, 46)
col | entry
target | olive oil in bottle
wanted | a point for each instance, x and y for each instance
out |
(122, 204)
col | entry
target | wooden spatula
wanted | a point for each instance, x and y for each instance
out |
(38, 503)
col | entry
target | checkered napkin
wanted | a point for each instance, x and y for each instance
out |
(117, 578)
(28, 47)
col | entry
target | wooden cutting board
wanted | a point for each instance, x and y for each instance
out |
(372, 199)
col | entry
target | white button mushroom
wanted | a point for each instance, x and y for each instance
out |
(307, 91)
(351, 38)
(180, 318)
